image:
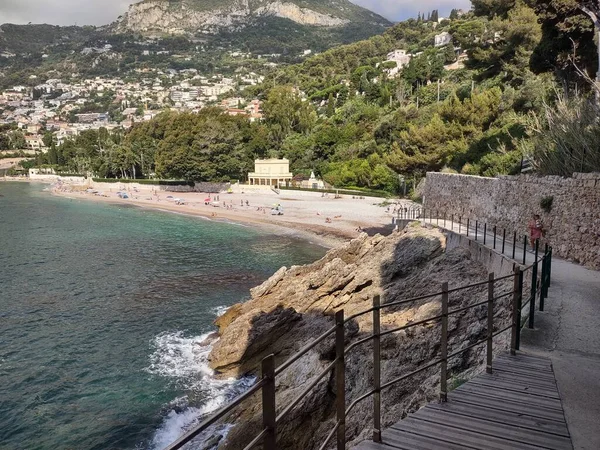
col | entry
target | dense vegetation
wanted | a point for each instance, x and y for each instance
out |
(356, 126)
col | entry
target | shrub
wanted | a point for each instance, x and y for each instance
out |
(546, 203)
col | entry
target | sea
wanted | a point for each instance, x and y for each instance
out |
(103, 312)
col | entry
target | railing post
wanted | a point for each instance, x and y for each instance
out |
(476, 225)
(514, 244)
(444, 346)
(504, 240)
(376, 370)
(340, 380)
(444, 219)
(437, 218)
(550, 267)
(268, 403)
(494, 237)
(490, 321)
(534, 271)
(524, 250)
(543, 283)
(519, 308)
(516, 321)
(459, 224)
(468, 223)
(547, 273)
(484, 232)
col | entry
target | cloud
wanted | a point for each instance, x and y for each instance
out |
(102, 12)
(62, 12)
(397, 10)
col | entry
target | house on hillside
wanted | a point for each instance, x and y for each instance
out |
(35, 143)
(401, 58)
(270, 172)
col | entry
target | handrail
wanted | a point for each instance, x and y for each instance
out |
(304, 350)
(267, 383)
(299, 397)
(215, 417)
(429, 215)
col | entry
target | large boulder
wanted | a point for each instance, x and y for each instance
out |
(297, 305)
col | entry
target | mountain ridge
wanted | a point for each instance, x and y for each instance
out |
(211, 16)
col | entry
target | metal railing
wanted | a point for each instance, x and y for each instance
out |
(266, 384)
(504, 240)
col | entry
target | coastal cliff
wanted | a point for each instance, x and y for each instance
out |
(207, 16)
(297, 304)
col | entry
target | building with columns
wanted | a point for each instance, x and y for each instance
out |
(270, 172)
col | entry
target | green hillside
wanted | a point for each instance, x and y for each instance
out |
(342, 115)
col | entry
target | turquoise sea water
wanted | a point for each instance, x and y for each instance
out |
(102, 309)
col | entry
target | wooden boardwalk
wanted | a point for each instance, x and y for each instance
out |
(516, 407)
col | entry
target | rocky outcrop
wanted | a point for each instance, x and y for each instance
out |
(297, 304)
(303, 16)
(161, 15)
(208, 17)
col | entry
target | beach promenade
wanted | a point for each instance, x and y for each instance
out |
(568, 333)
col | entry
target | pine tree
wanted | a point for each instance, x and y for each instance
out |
(330, 105)
(428, 16)
(435, 15)
(454, 14)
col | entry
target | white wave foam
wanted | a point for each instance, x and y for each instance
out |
(219, 310)
(184, 360)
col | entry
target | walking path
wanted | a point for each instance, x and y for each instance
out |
(567, 332)
(515, 407)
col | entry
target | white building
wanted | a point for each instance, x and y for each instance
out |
(401, 58)
(270, 172)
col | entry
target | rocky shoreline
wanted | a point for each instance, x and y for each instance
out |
(297, 304)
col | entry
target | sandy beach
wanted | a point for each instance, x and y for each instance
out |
(323, 219)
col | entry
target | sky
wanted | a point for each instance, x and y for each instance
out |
(102, 12)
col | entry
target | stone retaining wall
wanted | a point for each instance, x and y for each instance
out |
(213, 188)
(573, 224)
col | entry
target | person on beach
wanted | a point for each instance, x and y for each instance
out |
(536, 229)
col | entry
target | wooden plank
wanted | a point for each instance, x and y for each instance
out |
(519, 359)
(523, 375)
(521, 380)
(370, 445)
(488, 381)
(483, 426)
(463, 438)
(412, 441)
(543, 367)
(542, 371)
(509, 418)
(500, 405)
(524, 357)
(504, 395)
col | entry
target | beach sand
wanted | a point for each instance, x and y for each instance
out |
(325, 220)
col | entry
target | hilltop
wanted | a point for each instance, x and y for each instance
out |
(210, 16)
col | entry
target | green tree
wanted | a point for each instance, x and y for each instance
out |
(287, 112)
